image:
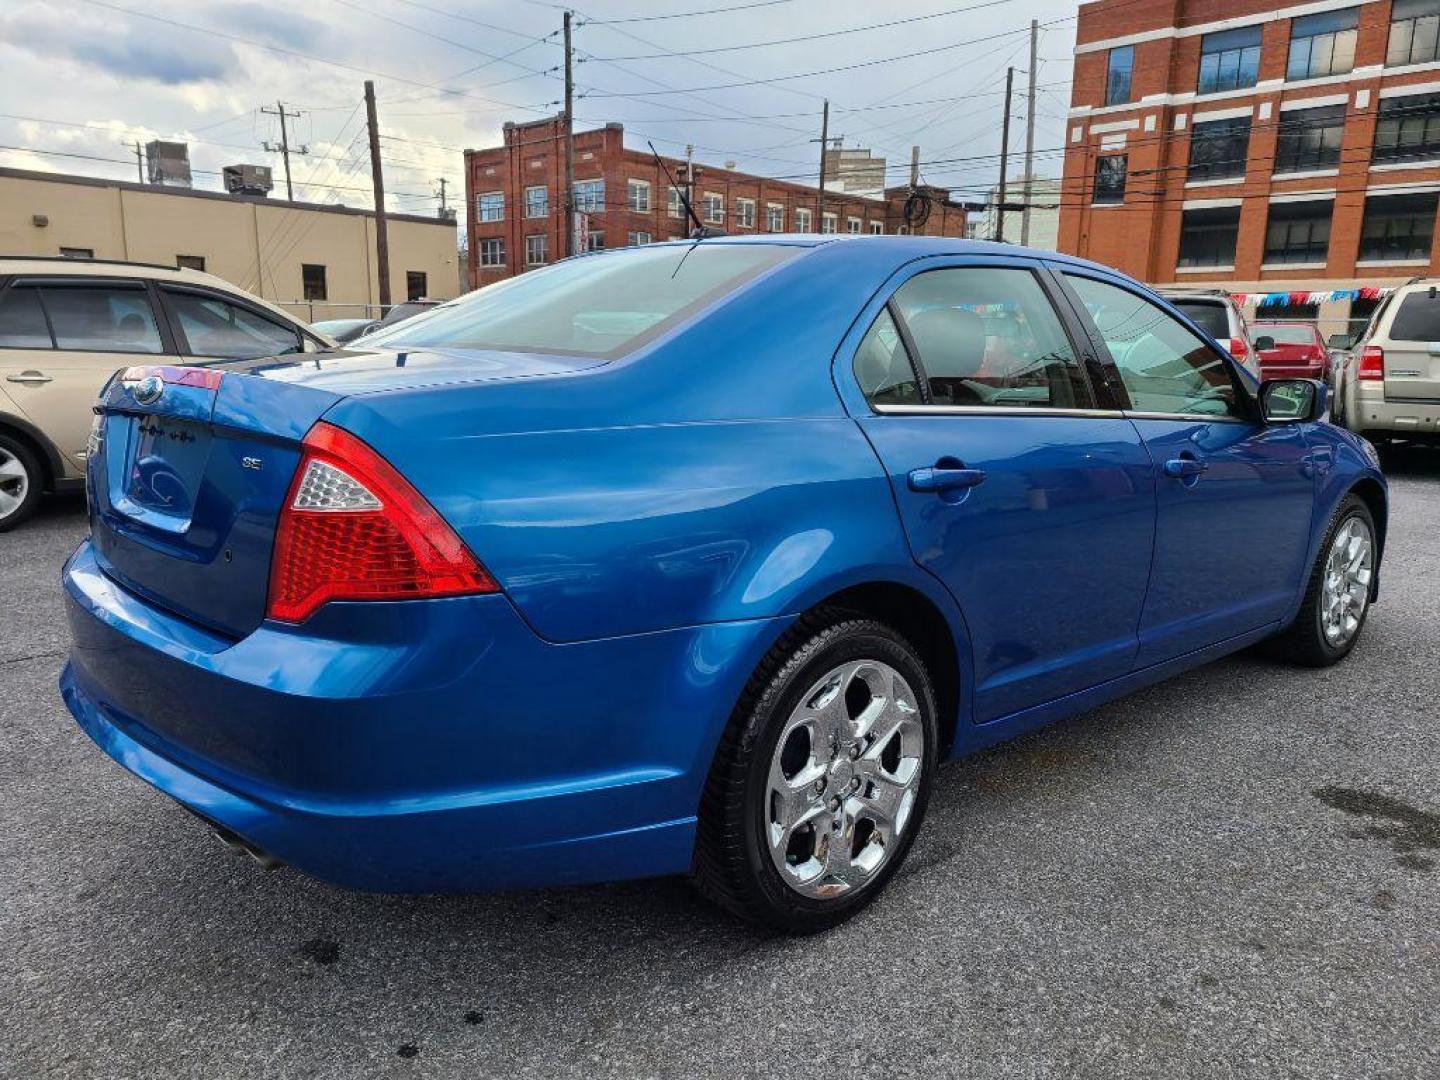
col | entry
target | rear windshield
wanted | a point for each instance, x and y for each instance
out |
(1211, 317)
(1286, 335)
(598, 305)
(1418, 318)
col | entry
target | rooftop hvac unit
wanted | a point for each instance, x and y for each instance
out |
(447, 214)
(168, 163)
(247, 179)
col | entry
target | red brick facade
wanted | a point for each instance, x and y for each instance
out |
(533, 157)
(1142, 234)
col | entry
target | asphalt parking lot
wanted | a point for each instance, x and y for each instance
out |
(1231, 874)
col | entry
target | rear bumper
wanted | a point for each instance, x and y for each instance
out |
(1375, 413)
(438, 746)
(1293, 371)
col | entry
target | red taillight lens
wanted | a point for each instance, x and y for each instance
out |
(1372, 363)
(1238, 348)
(353, 528)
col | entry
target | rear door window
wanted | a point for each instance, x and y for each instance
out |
(22, 321)
(1213, 318)
(1164, 366)
(1417, 318)
(102, 318)
(215, 327)
(989, 336)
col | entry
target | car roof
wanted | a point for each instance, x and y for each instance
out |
(65, 266)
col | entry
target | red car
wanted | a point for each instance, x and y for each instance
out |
(1297, 350)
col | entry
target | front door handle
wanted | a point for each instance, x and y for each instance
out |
(31, 377)
(941, 479)
(1184, 467)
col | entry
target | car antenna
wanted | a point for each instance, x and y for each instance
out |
(700, 232)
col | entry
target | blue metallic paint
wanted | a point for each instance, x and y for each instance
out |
(656, 523)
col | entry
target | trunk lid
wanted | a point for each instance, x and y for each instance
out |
(189, 467)
(1412, 349)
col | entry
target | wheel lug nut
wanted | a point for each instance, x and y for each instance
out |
(835, 803)
(854, 751)
(820, 787)
(855, 784)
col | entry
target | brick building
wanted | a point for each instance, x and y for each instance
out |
(1258, 146)
(516, 209)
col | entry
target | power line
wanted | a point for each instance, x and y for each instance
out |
(686, 14)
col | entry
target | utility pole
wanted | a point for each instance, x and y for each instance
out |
(284, 146)
(569, 142)
(1030, 133)
(914, 167)
(382, 236)
(1004, 154)
(824, 145)
(441, 196)
(139, 161)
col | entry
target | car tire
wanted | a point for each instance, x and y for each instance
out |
(856, 765)
(1313, 639)
(21, 480)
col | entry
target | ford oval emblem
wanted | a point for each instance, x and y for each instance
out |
(149, 390)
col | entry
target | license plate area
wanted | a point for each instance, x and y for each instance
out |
(162, 463)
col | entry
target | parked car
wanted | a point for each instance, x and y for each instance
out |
(345, 331)
(1217, 313)
(67, 324)
(690, 558)
(1390, 388)
(1291, 350)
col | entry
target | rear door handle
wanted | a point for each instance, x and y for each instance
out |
(33, 377)
(1182, 467)
(938, 479)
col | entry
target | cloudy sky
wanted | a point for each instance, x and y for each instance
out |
(82, 80)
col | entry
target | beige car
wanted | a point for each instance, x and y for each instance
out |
(1389, 386)
(67, 324)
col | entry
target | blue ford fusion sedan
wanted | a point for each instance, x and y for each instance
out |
(694, 558)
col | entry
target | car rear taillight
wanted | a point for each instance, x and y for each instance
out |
(1238, 349)
(1372, 363)
(353, 528)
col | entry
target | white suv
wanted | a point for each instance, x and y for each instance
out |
(1390, 388)
(1219, 316)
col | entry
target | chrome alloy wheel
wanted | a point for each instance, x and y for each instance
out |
(1346, 587)
(14, 483)
(843, 779)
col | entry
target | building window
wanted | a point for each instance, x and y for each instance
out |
(492, 252)
(1218, 149)
(1298, 232)
(637, 196)
(675, 206)
(1414, 32)
(1229, 60)
(77, 253)
(774, 217)
(1322, 44)
(1207, 237)
(537, 249)
(803, 220)
(1408, 129)
(594, 241)
(827, 223)
(1117, 75)
(590, 196)
(1398, 227)
(714, 208)
(877, 228)
(1109, 179)
(190, 262)
(745, 213)
(1310, 138)
(415, 284)
(635, 239)
(490, 206)
(537, 202)
(312, 281)
(852, 225)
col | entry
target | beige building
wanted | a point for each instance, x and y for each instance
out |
(317, 261)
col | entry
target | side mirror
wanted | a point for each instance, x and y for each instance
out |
(1263, 343)
(1338, 341)
(1292, 401)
